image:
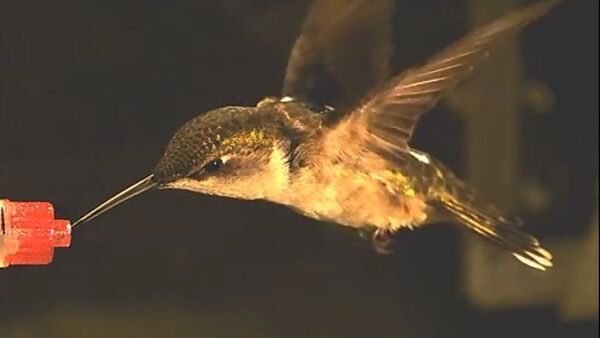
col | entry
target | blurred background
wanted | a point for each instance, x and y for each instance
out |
(90, 92)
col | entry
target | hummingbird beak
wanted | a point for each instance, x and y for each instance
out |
(143, 185)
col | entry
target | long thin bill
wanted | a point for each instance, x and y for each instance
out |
(143, 185)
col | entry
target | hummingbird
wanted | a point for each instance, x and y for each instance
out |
(346, 163)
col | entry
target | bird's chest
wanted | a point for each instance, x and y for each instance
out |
(356, 198)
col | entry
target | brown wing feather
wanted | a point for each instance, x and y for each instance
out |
(387, 120)
(343, 51)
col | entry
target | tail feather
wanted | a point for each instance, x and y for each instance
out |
(523, 246)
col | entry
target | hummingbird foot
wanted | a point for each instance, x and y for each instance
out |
(382, 241)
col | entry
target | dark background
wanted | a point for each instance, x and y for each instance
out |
(90, 92)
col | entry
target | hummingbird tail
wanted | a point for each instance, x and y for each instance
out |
(510, 236)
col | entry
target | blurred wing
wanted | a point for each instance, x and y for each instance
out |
(343, 51)
(385, 123)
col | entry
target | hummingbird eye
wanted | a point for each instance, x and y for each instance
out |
(213, 165)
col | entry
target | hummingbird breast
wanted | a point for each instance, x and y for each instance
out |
(366, 193)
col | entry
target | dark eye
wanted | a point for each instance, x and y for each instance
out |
(213, 165)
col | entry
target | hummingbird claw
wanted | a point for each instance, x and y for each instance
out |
(382, 241)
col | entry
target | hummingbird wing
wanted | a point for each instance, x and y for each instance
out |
(343, 51)
(386, 121)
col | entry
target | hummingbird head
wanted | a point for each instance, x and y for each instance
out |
(238, 152)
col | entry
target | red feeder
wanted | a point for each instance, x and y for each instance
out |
(29, 233)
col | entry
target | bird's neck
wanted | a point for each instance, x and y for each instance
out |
(279, 175)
